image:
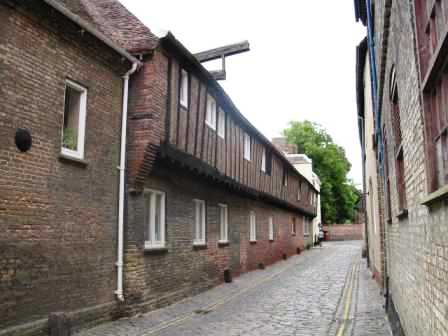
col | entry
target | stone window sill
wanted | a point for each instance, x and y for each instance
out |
(436, 196)
(199, 246)
(403, 214)
(252, 241)
(155, 250)
(70, 159)
(271, 240)
(223, 243)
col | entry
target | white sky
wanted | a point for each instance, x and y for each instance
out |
(301, 64)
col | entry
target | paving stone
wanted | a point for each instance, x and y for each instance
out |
(301, 296)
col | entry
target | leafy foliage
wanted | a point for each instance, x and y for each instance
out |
(70, 138)
(339, 196)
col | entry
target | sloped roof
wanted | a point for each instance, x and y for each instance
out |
(116, 22)
(60, 6)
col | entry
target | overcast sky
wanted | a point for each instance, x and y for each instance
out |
(301, 64)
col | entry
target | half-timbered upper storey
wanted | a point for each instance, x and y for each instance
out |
(179, 112)
(206, 131)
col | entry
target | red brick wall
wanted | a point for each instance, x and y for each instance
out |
(345, 231)
(157, 279)
(57, 218)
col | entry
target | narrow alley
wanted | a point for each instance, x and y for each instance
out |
(324, 291)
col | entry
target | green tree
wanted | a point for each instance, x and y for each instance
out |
(339, 196)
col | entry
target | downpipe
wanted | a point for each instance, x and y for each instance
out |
(122, 169)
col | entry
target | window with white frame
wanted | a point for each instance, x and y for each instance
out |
(154, 218)
(247, 146)
(263, 161)
(306, 226)
(271, 228)
(223, 223)
(293, 226)
(210, 116)
(221, 123)
(252, 227)
(183, 88)
(74, 127)
(285, 178)
(299, 192)
(199, 222)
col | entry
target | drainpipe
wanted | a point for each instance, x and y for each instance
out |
(121, 168)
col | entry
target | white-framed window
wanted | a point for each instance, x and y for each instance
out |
(299, 192)
(247, 146)
(221, 123)
(223, 223)
(210, 116)
(271, 228)
(263, 161)
(199, 222)
(154, 218)
(306, 226)
(74, 125)
(183, 88)
(293, 226)
(285, 178)
(252, 227)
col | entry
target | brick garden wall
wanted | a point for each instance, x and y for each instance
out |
(57, 218)
(345, 231)
(157, 279)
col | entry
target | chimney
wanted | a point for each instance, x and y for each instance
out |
(282, 145)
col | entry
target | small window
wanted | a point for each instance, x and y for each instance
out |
(223, 223)
(263, 161)
(183, 88)
(247, 146)
(199, 223)
(221, 123)
(75, 110)
(253, 227)
(271, 228)
(210, 118)
(299, 192)
(293, 226)
(306, 226)
(285, 178)
(268, 162)
(154, 219)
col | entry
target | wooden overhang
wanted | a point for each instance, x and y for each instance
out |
(175, 48)
(171, 154)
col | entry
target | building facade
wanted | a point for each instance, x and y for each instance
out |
(207, 196)
(305, 166)
(407, 51)
(61, 109)
(372, 184)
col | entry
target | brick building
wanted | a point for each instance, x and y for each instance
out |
(207, 195)
(407, 53)
(61, 109)
(207, 192)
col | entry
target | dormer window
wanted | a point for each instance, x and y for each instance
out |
(247, 146)
(221, 123)
(183, 93)
(210, 117)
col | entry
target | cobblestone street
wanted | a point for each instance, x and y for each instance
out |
(324, 291)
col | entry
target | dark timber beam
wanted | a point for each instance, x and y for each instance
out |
(228, 50)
